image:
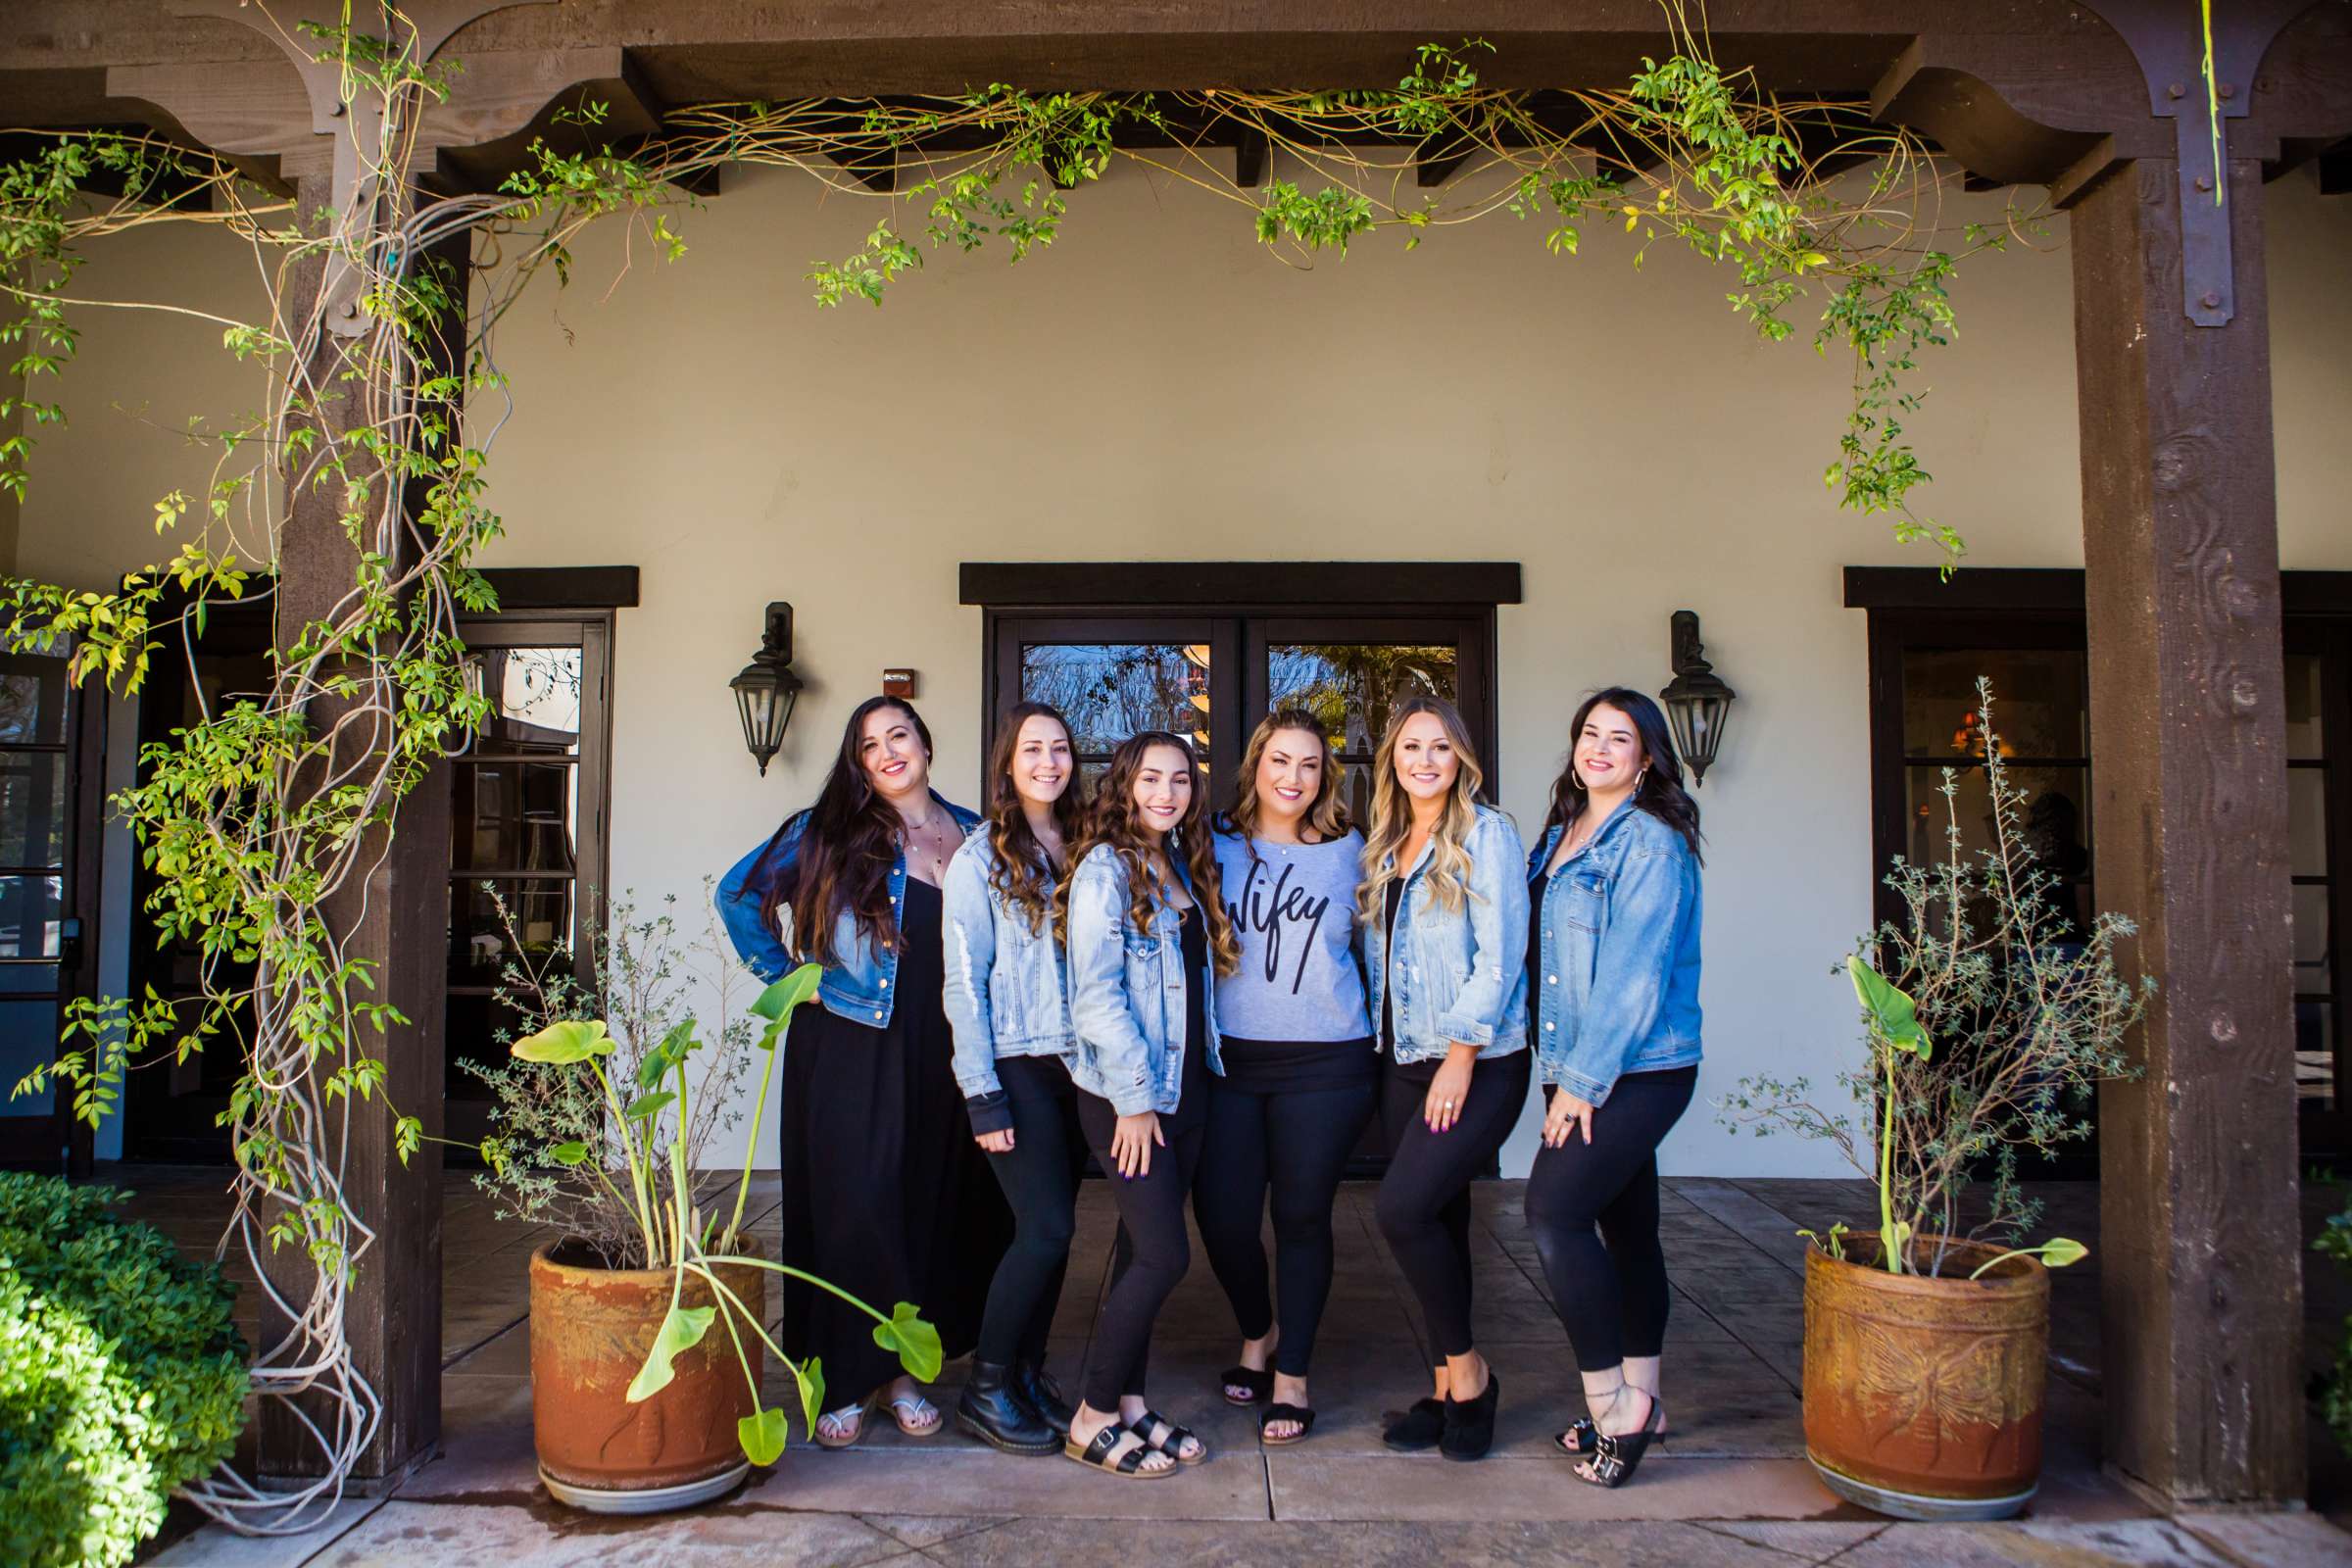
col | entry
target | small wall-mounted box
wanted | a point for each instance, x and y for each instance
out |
(897, 683)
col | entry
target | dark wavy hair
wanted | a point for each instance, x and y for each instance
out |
(1110, 819)
(1660, 791)
(846, 852)
(1022, 869)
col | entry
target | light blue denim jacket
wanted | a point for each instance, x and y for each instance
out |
(1007, 989)
(1617, 980)
(858, 986)
(1127, 992)
(1460, 974)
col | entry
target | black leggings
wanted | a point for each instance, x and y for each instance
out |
(1296, 1141)
(1424, 1203)
(1149, 1257)
(1040, 1178)
(1594, 1208)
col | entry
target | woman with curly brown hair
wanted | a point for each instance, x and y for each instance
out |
(1297, 1048)
(1146, 933)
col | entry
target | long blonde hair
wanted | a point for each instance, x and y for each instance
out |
(1393, 814)
(1110, 819)
(1327, 815)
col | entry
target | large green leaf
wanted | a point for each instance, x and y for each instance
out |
(1893, 1016)
(560, 1045)
(916, 1341)
(777, 1002)
(2060, 1250)
(811, 1376)
(681, 1331)
(647, 1104)
(571, 1153)
(761, 1435)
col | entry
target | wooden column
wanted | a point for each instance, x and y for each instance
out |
(2201, 1297)
(395, 920)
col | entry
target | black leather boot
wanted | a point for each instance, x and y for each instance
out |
(993, 1412)
(1035, 1388)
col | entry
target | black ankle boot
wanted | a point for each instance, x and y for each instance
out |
(1035, 1388)
(1470, 1425)
(993, 1412)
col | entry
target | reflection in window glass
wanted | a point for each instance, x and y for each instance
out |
(1110, 691)
(27, 1039)
(2305, 740)
(2315, 1052)
(2057, 823)
(2307, 821)
(2040, 704)
(2308, 902)
(536, 697)
(32, 809)
(1352, 686)
(29, 917)
(482, 942)
(32, 699)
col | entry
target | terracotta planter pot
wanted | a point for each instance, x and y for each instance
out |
(590, 1330)
(1923, 1397)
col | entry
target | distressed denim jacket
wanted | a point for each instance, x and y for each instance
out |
(857, 988)
(1616, 981)
(1459, 974)
(1007, 988)
(1127, 992)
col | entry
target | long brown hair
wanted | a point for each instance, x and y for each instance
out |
(1110, 820)
(1392, 813)
(1327, 815)
(847, 848)
(1023, 869)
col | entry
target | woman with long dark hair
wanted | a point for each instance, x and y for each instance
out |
(1147, 934)
(884, 1192)
(1613, 959)
(1297, 1048)
(1008, 999)
(1442, 913)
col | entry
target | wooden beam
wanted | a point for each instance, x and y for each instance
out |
(1251, 152)
(1189, 582)
(2201, 1283)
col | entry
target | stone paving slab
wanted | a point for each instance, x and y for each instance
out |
(722, 1535)
(979, 1481)
(1432, 1490)
(2273, 1540)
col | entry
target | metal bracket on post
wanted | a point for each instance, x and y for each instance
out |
(2169, 43)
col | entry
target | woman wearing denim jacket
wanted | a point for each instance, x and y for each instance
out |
(1008, 999)
(884, 1192)
(1443, 919)
(1613, 963)
(1147, 934)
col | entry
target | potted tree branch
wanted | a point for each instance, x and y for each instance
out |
(648, 1313)
(1990, 1016)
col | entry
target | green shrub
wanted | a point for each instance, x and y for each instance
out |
(122, 1374)
(2335, 1387)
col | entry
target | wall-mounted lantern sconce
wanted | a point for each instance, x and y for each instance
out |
(767, 688)
(1697, 698)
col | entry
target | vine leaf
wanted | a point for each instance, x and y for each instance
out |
(1894, 1015)
(916, 1341)
(681, 1331)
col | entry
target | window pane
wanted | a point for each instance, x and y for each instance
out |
(33, 701)
(2307, 821)
(482, 943)
(2313, 972)
(28, 915)
(2315, 1052)
(27, 1039)
(535, 697)
(1110, 691)
(32, 809)
(515, 816)
(2057, 819)
(2039, 701)
(1352, 686)
(477, 1021)
(2305, 741)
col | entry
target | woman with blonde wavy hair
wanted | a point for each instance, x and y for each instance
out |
(1145, 934)
(1296, 1045)
(1443, 914)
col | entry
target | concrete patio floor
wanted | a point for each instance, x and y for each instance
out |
(1731, 1486)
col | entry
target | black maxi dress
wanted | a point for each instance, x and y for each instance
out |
(885, 1194)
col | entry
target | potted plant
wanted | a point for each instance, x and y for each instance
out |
(1990, 1013)
(638, 1406)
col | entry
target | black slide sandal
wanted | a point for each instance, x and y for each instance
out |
(1305, 1416)
(1104, 1454)
(1169, 1437)
(1261, 1383)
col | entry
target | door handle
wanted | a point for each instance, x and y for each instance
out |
(69, 946)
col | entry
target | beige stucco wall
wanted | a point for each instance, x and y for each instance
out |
(1158, 386)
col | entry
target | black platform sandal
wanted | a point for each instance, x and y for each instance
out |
(1577, 1441)
(1419, 1427)
(1614, 1460)
(1259, 1383)
(1304, 1415)
(1117, 1451)
(1169, 1437)
(1470, 1424)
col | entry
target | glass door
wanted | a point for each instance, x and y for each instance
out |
(1351, 672)
(1114, 676)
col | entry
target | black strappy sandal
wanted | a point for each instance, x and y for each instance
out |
(1577, 1441)
(1613, 1460)
(1259, 1383)
(1169, 1437)
(1304, 1415)
(1104, 1452)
